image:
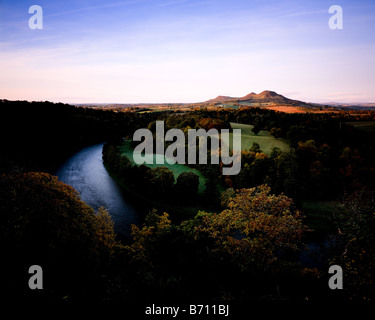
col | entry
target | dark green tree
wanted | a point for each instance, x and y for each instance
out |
(162, 180)
(187, 184)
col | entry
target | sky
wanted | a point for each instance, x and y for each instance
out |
(155, 51)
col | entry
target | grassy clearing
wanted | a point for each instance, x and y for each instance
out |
(367, 126)
(177, 169)
(263, 138)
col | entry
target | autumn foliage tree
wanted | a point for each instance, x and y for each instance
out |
(44, 222)
(247, 250)
(256, 228)
(166, 261)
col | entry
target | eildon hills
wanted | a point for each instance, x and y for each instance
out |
(265, 97)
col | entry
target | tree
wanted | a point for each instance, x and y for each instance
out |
(168, 262)
(187, 184)
(245, 251)
(354, 243)
(285, 174)
(151, 257)
(146, 238)
(255, 147)
(162, 180)
(104, 226)
(276, 132)
(256, 228)
(44, 222)
(257, 127)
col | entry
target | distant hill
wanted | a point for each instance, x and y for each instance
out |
(221, 99)
(352, 105)
(266, 98)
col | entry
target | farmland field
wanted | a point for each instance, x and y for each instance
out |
(263, 138)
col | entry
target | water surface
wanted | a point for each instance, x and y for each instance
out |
(86, 173)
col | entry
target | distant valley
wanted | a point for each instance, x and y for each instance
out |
(266, 100)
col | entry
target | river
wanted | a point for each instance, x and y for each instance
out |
(85, 172)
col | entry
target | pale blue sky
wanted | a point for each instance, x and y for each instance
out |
(186, 50)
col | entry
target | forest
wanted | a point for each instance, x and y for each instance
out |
(241, 237)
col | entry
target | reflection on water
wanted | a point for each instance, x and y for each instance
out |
(86, 173)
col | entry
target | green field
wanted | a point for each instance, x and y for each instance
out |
(177, 169)
(263, 138)
(367, 126)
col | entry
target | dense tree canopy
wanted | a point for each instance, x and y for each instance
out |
(240, 251)
(255, 228)
(43, 222)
